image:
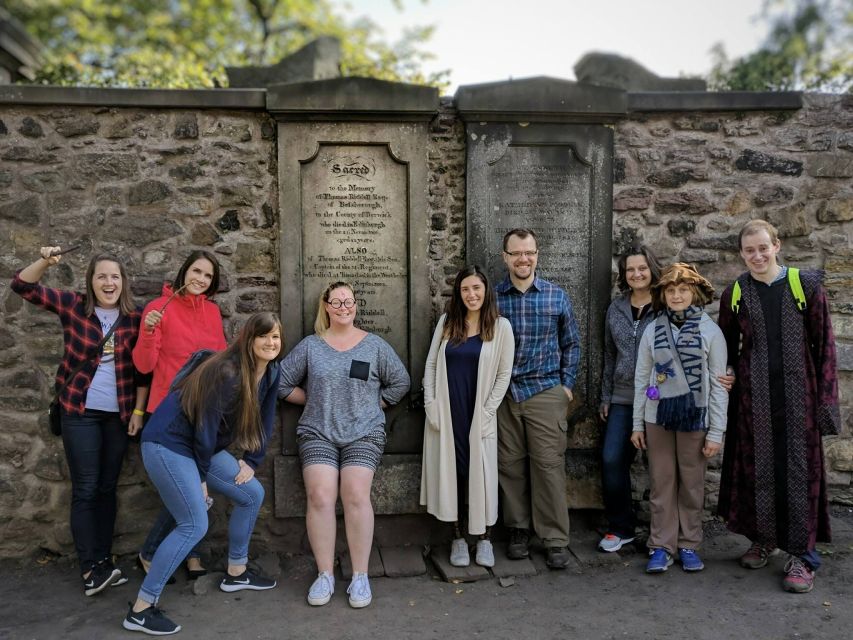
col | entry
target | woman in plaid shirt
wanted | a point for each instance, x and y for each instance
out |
(101, 406)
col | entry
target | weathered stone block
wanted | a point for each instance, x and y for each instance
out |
(30, 128)
(72, 123)
(758, 162)
(6, 178)
(43, 181)
(634, 198)
(698, 256)
(773, 194)
(236, 195)
(186, 127)
(103, 167)
(677, 176)
(148, 192)
(29, 210)
(251, 258)
(27, 154)
(691, 202)
(680, 227)
(830, 165)
(255, 301)
(138, 231)
(189, 171)
(839, 453)
(791, 221)
(836, 210)
(204, 234)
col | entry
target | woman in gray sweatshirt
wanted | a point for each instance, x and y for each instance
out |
(345, 377)
(626, 319)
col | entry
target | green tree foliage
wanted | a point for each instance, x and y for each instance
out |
(188, 43)
(809, 47)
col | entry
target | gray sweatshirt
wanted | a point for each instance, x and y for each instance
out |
(621, 337)
(343, 389)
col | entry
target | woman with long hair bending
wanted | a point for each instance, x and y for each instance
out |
(467, 374)
(100, 406)
(218, 400)
(345, 377)
(180, 322)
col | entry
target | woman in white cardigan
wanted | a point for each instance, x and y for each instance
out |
(467, 373)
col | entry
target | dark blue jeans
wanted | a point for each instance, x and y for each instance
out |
(95, 444)
(617, 457)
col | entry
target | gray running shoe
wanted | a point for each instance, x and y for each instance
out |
(485, 554)
(459, 553)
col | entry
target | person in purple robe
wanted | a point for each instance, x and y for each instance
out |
(781, 346)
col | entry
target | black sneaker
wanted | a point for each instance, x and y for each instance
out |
(246, 580)
(150, 621)
(100, 578)
(121, 577)
(519, 543)
(558, 558)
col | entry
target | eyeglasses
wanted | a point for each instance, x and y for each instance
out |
(518, 254)
(349, 303)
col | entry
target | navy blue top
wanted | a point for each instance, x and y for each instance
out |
(170, 426)
(462, 362)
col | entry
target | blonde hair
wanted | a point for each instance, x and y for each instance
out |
(756, 226)
(678, 273)
(321, 324)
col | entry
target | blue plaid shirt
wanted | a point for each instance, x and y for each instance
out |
(547, 342)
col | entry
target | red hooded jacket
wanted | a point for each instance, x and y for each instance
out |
(189, 323)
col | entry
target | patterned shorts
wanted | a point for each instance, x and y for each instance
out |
(364, 452)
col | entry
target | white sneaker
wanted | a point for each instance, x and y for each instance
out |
(322, 589)
(359, 591)
(459, 553)
(612, 542)
(485, 554)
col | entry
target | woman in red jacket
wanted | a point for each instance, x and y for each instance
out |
(180, 322)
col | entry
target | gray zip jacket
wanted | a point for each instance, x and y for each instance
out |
(621, 338)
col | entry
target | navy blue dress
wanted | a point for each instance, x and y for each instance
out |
(462, 363)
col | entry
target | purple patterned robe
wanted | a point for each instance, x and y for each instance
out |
(774, 496)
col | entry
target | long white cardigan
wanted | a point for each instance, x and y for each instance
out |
(438, 474)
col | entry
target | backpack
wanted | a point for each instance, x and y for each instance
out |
(793, 282)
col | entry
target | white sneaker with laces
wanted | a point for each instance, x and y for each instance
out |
(321, 589)
(485, 554)
(459, 553)
(359, 591)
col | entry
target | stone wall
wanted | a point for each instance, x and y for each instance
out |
(149, 185)
(686, 182)
(154, 182)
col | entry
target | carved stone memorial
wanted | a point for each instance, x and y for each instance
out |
(539, 156)
(352, 167)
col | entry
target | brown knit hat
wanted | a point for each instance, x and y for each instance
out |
(681, 272)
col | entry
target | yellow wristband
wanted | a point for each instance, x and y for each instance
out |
(138, 412)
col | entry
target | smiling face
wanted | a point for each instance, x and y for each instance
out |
(107, 284)
(760, 253)
(342, 316)
(267, 346)
(520, 257)
(678, 296)
(638, 275)
(473, 292)
(198, 277)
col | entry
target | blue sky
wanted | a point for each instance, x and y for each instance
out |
(484, 41)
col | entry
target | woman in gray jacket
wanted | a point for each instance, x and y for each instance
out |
(626, 319)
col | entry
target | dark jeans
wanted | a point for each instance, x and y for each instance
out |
(95, 443)
(617, 457)
(163, 526)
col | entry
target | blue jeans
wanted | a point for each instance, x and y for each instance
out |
(161, 528)
(95, 444)
(617, 457)
(176, 478)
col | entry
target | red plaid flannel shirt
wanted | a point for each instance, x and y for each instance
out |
(81, 335)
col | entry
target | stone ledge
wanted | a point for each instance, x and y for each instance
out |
(254, 99)
(714, 101)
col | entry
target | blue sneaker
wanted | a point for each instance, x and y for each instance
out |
(690, 560)
(659, 561)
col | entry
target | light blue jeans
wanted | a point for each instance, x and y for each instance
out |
(177, 480)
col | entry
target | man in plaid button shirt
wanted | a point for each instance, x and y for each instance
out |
(532, 417)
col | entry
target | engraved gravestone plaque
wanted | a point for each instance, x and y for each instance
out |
(354, 229)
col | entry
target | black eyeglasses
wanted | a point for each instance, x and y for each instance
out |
(518, 254)
(349, 303)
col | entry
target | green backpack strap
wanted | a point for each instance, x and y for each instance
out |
(797, 288)
(793, 282)
(736, 297)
